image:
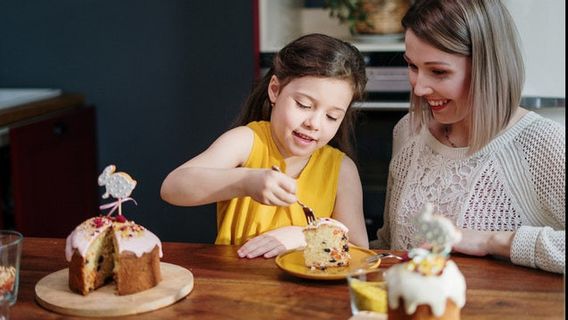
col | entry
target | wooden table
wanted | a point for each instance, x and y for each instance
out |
(227, 287)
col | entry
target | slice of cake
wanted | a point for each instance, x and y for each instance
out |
(327, 244)
(137, 258)
(429, 285)
(105, 248)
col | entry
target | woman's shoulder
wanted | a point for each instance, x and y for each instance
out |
(401, 134)
(534, 128)
(403, 124)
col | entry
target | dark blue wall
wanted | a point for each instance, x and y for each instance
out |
(166, 78)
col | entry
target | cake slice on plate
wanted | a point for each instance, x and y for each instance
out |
(327, 244)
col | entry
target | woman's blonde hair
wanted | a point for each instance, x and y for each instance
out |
(484, 31)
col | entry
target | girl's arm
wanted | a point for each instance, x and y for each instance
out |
(216, 175)
(348, 209)
(349, 203)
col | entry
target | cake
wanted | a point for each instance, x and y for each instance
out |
(106, 247)
(327, 244)
(429, 285)
(428, 289)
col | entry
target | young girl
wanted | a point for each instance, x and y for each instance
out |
(496, 169)
(301, 104)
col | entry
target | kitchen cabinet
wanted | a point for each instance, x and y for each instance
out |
(52, 166)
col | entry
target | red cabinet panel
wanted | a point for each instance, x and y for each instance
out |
(54, 173)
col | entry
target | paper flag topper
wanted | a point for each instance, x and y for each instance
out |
(118, 184)
(436, 230)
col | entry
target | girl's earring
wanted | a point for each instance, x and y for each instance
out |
(271, 104)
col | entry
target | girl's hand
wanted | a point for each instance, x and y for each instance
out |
(273, 242)
(270, 187)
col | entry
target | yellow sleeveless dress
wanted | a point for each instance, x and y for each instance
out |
(241, 219)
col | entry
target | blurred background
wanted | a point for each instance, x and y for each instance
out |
(152, 83)
(165, 79)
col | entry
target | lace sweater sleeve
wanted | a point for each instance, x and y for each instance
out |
(401, 132)
(540, 242)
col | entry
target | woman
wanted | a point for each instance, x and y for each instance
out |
(495, 169)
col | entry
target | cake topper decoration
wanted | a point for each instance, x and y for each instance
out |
(436, 230)
(119, 185)
(439, 235)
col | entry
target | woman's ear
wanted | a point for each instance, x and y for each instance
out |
(273, 89)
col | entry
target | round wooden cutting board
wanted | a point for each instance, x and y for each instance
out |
(53, 293)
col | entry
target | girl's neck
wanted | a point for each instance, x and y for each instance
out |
(295, 165)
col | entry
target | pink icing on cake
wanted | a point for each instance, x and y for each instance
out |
(129, 235)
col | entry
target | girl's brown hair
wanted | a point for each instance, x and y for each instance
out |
(315, 55)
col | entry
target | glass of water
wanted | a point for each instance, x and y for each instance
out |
(10, 252)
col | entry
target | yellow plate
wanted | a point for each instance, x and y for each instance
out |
(293, 263)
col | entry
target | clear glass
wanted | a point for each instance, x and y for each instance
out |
(367, 291)
(10, 253)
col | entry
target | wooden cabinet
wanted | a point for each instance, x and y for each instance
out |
(53, 172)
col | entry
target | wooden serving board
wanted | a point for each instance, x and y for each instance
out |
(53, 293)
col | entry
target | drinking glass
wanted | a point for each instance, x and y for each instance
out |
(10, 252)
(367, 291)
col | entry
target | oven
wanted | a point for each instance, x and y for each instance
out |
(386, 102)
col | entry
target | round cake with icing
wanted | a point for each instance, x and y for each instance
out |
(429, 285)
(413, 294)
(327, 244)
(103, 248)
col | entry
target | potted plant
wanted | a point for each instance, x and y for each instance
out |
(369, 16)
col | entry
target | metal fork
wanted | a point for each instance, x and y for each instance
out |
(308, 212)
(377, 257)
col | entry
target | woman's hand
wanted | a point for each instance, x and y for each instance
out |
(270, 187)
(481, 243)
(273, 242)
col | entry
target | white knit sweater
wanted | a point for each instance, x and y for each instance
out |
(516, 182)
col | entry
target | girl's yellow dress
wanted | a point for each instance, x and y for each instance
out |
(240, 219)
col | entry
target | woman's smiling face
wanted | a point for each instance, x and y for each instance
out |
(307, 113)
(441, 78)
